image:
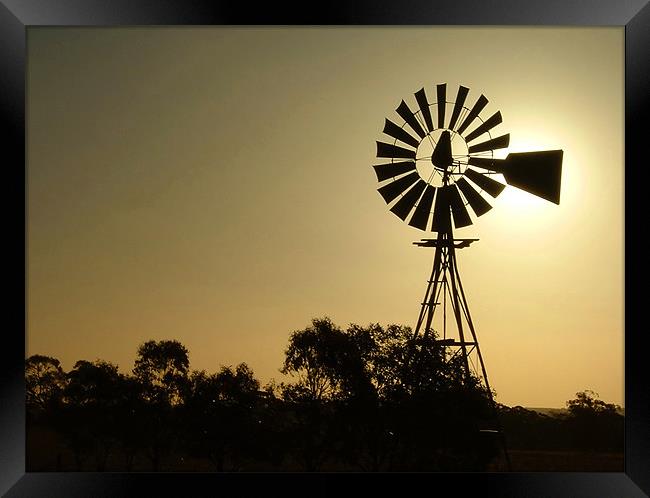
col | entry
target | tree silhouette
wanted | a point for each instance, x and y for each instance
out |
(326, 361)
(162, 369)
(428, 413)
(586, 403)
(594, 424)
(94, 384)
(374, 396)
(330, 372)
(369, 398)
(221, 413)
(91, 409)
(44, 383)
(532, 430)
(399, 364)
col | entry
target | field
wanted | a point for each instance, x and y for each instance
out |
(47, 452)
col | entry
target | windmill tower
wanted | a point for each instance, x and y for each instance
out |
(442, 163)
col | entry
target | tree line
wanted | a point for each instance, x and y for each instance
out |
(367, 398)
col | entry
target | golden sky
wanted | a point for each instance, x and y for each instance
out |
(214, 185)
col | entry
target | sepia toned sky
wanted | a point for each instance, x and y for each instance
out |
(214, 185)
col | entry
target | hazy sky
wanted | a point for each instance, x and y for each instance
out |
(214, 185)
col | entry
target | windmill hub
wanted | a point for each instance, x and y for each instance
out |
(426, 167)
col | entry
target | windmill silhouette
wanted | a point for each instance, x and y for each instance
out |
(437, 170)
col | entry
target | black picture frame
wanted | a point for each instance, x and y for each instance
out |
(16, 16)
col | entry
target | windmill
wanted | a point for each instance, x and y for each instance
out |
(442, 163)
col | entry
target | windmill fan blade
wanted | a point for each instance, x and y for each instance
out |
(479, 205)
(491, 186)
(395, 131)
(393, 189)
(458, 106)
(403, 207)
(461, 216)
(491, 122)
(421, 214)
(539, 173)
(421, 98)
(390, 170)
(442, 96)
(487, 163)
(473, 114)
(394, 151)
(406, 114)
(441, 214)
(494, 143)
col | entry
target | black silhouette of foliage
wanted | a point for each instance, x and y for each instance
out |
(90, 412)
(383, 397)
(327, 362)
(367, 398)
(94, 384)
(590, 416)
(587, 404)
(530, 429)
(162, 368)
(44, 382)
(222, 409)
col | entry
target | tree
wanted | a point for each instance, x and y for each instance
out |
(222, 415)
(594, 424)
(93, 384)
(399, 364)
(91, 397)
(162, 368)
(45, 381)
(586, 403)
(382, 395)
(204, 432)
(238, 385)
(326, 361)
(529, 429)
(429, 413)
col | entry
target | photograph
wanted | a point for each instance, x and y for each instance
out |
(337, 249)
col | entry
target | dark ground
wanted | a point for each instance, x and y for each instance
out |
(44, 446)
